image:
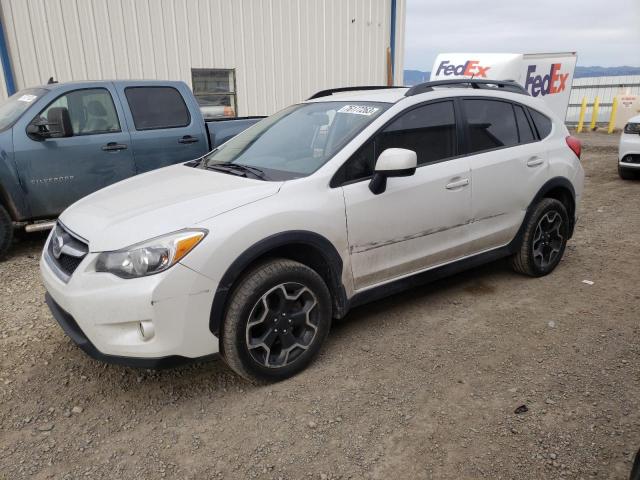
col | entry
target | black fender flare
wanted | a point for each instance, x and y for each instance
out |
(330, 256)
(549, 185)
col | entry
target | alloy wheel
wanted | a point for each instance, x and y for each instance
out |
(548, 239)
(282, 325)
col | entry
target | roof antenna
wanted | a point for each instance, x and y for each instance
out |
(51, 81)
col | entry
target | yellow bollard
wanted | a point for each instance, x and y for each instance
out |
(583, 110)
(594, 114)
(612, 119)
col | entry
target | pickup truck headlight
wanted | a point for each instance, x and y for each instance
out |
(632, 128)
(150, 257)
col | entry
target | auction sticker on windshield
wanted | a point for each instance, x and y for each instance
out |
(359, 110)
(27, 98)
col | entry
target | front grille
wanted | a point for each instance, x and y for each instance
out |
(65, 252)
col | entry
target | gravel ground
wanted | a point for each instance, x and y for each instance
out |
(420, 385)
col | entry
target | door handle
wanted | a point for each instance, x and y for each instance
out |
(114, 147)
(535, 161)
(457, 184)
(188, 139)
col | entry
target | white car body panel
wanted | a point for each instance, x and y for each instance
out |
(629, 145)
(415, 225)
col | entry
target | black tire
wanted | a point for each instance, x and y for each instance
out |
(263, 295)
(627, 173)
(531, 258)
(6, 232)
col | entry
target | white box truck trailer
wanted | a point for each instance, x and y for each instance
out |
(545, 75)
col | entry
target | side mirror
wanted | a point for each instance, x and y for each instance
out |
(56, 125)
(393, 162)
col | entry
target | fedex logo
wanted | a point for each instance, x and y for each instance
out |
(553, 82)
(467, 69)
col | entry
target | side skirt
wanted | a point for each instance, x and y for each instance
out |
(422, 278)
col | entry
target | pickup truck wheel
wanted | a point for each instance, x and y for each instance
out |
(545, 238)
(278, 318)
(6, 232)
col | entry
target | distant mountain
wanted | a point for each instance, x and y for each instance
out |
(605, 71)
(413, 77)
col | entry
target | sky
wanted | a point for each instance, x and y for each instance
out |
(604, 32)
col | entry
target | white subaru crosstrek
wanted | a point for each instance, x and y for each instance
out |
(253, 249)
(629, 150)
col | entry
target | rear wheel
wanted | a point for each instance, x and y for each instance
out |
(6, 231)
(627, 173)
(544, 240)
(278, 318)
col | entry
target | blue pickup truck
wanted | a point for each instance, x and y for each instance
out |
(62, 141)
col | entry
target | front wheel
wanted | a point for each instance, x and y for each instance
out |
(278, 318)
(6, 231)
(544, 240)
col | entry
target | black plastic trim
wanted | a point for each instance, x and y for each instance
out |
(331, 91)
(74, 332)
(505, 85)
(294, 237)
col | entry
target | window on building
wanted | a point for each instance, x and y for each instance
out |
(492, 124)
(215, 90)
(153, 108)
(542, 122)
(524, 128)
(91, 111)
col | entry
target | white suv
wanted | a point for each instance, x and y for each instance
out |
(252, 250)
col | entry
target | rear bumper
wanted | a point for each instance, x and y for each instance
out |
(74, 332)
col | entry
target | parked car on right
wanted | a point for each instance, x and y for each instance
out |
(629, 151)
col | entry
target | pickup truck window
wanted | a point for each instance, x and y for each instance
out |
(14, 106)
(153, 108)
(298, 140)
(91, 111)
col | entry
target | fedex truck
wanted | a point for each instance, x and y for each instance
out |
(545, 75)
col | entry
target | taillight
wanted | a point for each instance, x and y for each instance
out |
(575, 145)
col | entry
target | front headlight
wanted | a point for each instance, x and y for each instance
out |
(150, 257)
(632, 128)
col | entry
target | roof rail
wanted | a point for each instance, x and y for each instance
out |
(509, 85)
(331, 91)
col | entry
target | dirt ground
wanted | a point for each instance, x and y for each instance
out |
(420, 385)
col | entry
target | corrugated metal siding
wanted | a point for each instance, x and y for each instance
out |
(605, 88)
(282, 50)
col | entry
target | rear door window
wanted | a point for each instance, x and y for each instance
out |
(157, 107)
(524, 127)
(542, 123)
(491, 124)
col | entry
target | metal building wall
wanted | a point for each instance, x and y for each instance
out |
(603, 87)
(282, 50)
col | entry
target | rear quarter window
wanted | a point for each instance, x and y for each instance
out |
(157, 107)
(542, 123)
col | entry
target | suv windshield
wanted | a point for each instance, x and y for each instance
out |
(298, 140)
(18, 103)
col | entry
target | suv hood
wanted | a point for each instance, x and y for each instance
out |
(157, 203)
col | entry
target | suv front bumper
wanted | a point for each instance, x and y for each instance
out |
(149, 322)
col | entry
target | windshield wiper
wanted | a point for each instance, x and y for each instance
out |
(255, 171)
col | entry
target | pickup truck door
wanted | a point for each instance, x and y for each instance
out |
(166, 124)
(55, 172)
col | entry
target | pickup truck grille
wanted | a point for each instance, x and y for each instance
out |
(64, 252)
